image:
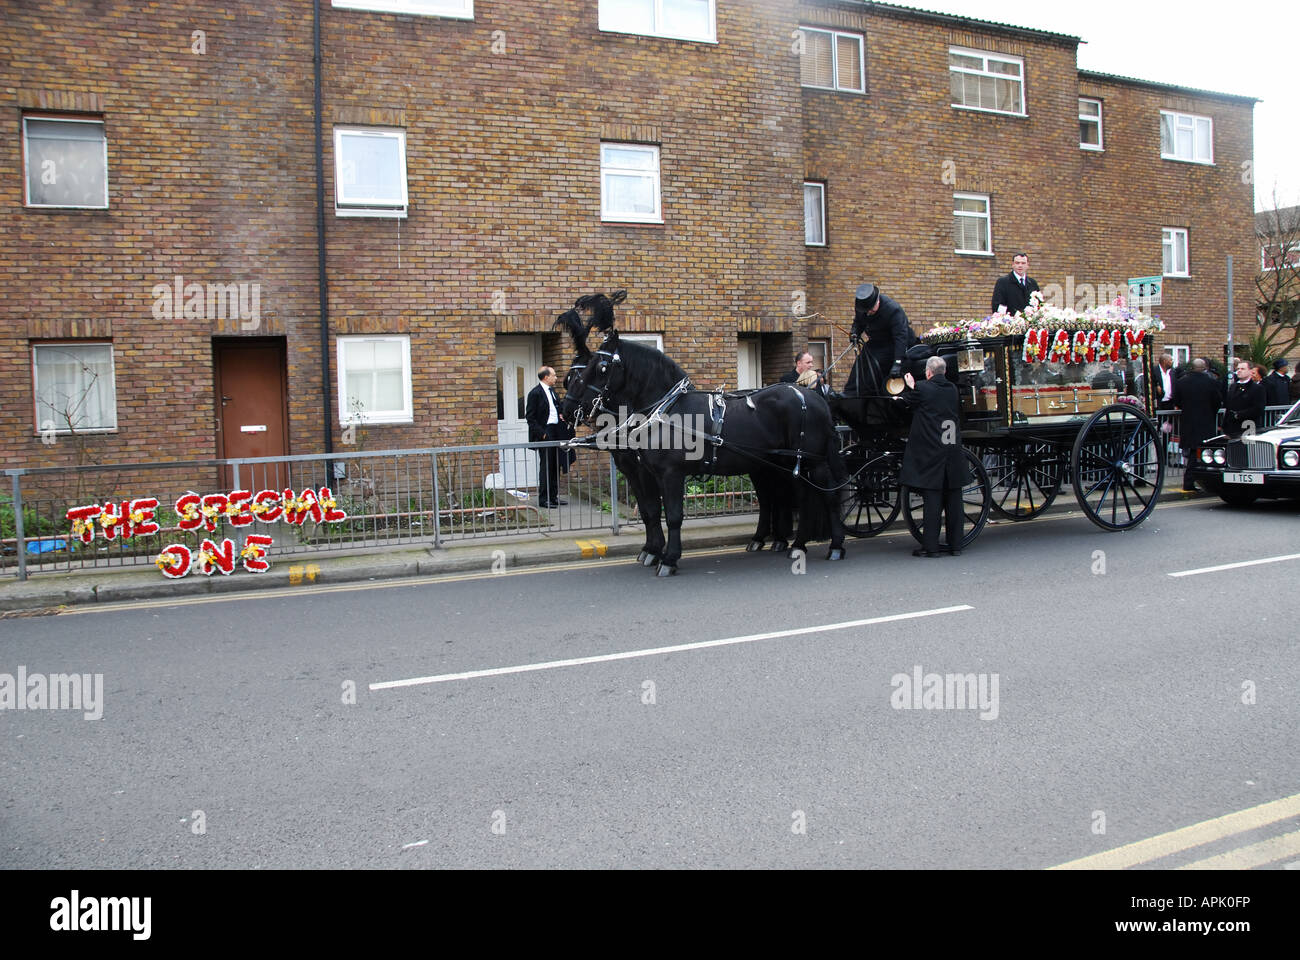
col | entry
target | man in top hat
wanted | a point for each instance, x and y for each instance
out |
(1277, 385)
(880, 323)
(1011, 293)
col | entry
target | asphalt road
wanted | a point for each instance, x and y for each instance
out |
(1123, 702)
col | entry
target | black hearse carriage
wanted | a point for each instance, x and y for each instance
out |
(1047, 397)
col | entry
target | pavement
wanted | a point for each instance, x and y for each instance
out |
(47, 593)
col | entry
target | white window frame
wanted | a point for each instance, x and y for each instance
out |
(1169, 237)
(836, 36)
(987, 218)
(655, 340)
(1179, 123)
(27, 164)
(970, 72)
(366, 417)
(356, 208)
(457, 9)
(615, 216)
(821, 191)
(1100, 145)
(1288, 255)
(36, 385)
(1181, 352)
(608, 23)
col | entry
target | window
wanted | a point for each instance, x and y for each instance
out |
(970, 224)
(1275, 256)
(814, 214)
(67, 162)
(821, 352)
(1181, 352)
(1089, 124)
(1184, 136)
(463, 9)
(676, 19)
(375, 380)
(74, 387)
(985, 81)
(369, 172)
(655, 340)
(1175, 252)
(629, 183)
(831, 61)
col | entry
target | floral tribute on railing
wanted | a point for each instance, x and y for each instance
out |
(1061, 335)
(239, 508)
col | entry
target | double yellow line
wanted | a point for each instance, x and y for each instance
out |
(1199, 834)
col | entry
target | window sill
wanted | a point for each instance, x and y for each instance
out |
(1087, 149)
(606, 222)
(1195, 163)
(370, 212)
(974, 253)
(1176, 276)
(848, 90)
(378, 6)
(89, 431)
(379, 421)
(992, 113)
(658, 36)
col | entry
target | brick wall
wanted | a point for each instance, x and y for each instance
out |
(212, 178)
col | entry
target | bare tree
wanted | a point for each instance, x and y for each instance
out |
(1277, 284)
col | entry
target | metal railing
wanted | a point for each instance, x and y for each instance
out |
(1170, 422)
(392, 498)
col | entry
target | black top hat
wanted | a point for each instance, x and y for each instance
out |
(1281, 363)
(867, 295)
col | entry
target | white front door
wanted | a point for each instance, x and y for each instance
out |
(517, 361)
(749, 365)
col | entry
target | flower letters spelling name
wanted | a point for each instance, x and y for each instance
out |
(239, 508)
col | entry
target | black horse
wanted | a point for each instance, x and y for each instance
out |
(778, 430)
(775, 515)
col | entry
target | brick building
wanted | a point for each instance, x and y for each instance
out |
(738, 166)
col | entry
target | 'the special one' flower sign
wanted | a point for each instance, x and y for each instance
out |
(239, 508)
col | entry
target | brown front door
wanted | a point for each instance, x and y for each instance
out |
(251, 405)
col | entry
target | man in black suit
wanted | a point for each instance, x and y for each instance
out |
(1163, 382)
(1244, 403)
(543, 415)
(1277, 385)
(933, 460)
(1197, 394)
(879, 323)
(1012, 291)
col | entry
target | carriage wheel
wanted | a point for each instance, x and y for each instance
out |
(1117, 467)
(1025, 480)
(871, 500)
(977, 501)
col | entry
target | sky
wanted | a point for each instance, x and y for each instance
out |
(1246, 47)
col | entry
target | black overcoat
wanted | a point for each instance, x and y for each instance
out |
(1278, 390)
(889, 337)
(928, 462)
(1009, 291)
(1197, 396)
(1244, 403)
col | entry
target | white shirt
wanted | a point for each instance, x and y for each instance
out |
(554, 415)
(1167, 379)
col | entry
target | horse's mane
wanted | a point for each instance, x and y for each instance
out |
(647, 367)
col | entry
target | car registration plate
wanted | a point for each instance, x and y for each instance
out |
(1255, 478)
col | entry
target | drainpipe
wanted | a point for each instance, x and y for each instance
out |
(322, 280)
